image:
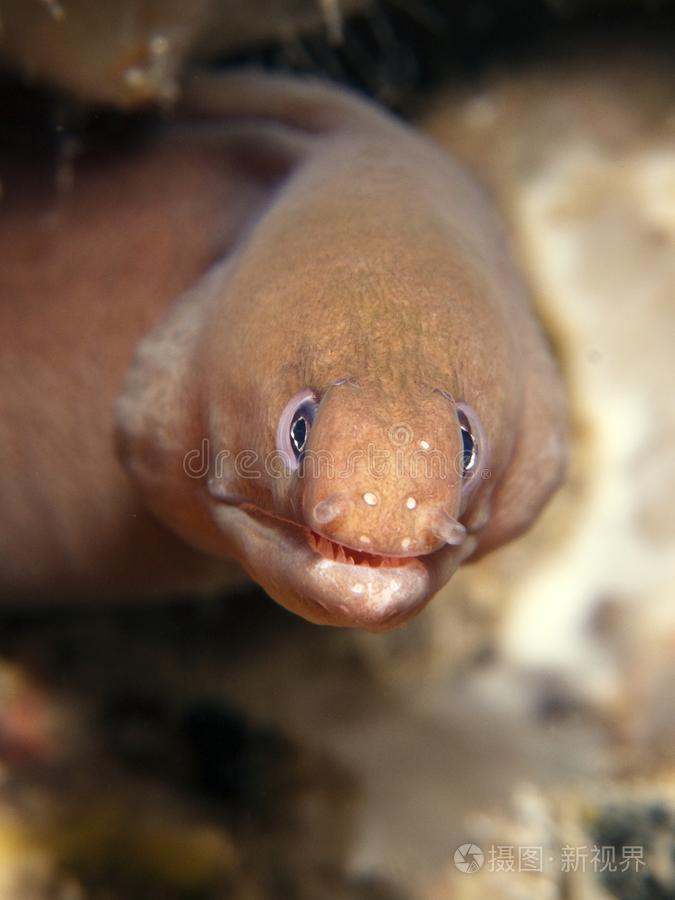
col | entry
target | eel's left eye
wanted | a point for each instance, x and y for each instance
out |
(473, 441)
(469, 453)
(294, 426)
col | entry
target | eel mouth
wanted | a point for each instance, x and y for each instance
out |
(337, 552)
(324, 581)
(330, 549)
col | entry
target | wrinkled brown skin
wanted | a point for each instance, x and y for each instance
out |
(290, 236)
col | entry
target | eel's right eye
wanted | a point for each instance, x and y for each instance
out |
(299, 431)
(295, 423)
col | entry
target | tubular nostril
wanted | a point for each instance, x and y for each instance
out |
(448, 529)
(331, 508)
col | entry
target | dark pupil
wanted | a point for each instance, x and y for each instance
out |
(299, 430)
(468, 450)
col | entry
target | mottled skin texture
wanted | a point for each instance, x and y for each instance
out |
(325, 246)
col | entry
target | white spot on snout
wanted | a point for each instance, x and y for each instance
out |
(405, 543)
(370, 499)
(358, 588)
(364, 539)
(411, 503)
(424, 445)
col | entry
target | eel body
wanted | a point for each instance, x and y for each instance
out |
(288, 336)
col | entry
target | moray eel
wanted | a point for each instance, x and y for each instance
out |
(322, 360)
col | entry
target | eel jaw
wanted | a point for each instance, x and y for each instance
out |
(298, 570)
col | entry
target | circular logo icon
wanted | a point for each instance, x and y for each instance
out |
(400, 435)
(469, 858)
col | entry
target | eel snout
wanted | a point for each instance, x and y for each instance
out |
(380, 525)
